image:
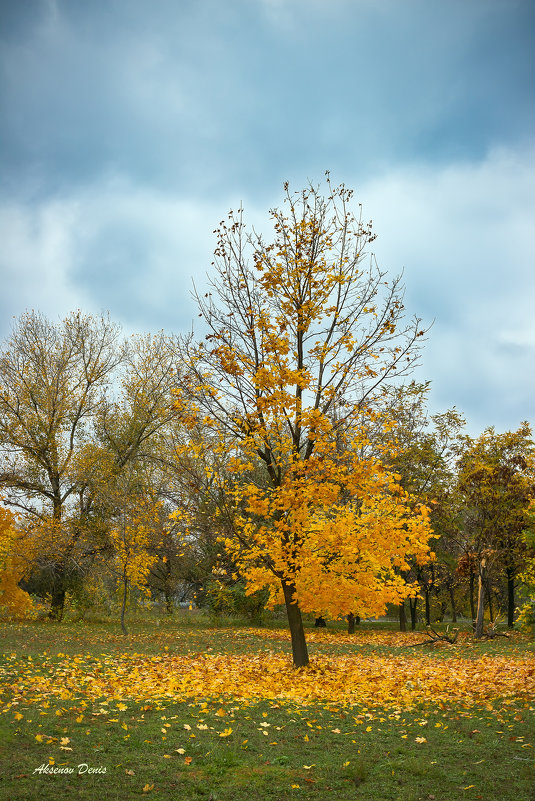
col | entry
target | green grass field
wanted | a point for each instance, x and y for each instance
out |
(63, 737)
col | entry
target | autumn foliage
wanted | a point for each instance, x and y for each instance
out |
(14, 601)
(302, 336)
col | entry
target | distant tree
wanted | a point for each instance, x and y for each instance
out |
(52, 377)
(423, 448)
(132, 535)
(526, 611)
(497, 480)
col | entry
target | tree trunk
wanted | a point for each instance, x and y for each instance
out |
(57, 593)
(472, 606)
(57, 604)
(452, 601)
(167, 588)
(427, 608)
(489, 598)
(123, 608)
(351, 623)
(402, 617)
(481, 598)
(168, 602)
(413, 604)
(510, 596)
(297, 631)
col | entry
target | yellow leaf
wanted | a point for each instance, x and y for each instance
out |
(226, 732)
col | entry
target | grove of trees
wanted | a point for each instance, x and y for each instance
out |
(286, 459)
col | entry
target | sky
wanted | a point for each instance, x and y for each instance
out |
(130, 128)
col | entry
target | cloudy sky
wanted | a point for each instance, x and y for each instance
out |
(130, 127)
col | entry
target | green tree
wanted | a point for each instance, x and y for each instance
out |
(422, 449)
(496, 480)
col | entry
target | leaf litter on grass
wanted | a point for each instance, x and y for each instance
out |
(398, 681)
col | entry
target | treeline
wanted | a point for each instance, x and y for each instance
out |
(286, 458)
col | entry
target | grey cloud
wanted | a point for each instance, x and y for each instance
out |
(200, 95)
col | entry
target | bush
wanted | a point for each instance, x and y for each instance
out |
(231, 600)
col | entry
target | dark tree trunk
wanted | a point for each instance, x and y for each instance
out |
(472, 605)
(57, 604)
(452, 601)
(123, 607)
(427, 608)
(57, 593)
(352, 621)
(489, 598)
(402, 617)
(297, 631)
(481, 599)
(510, 596)
(413, 604)
(168, 602)
(167, 588)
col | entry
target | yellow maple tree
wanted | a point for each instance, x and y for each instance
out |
(302, 337)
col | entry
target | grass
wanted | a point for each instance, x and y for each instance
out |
(230, 747)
